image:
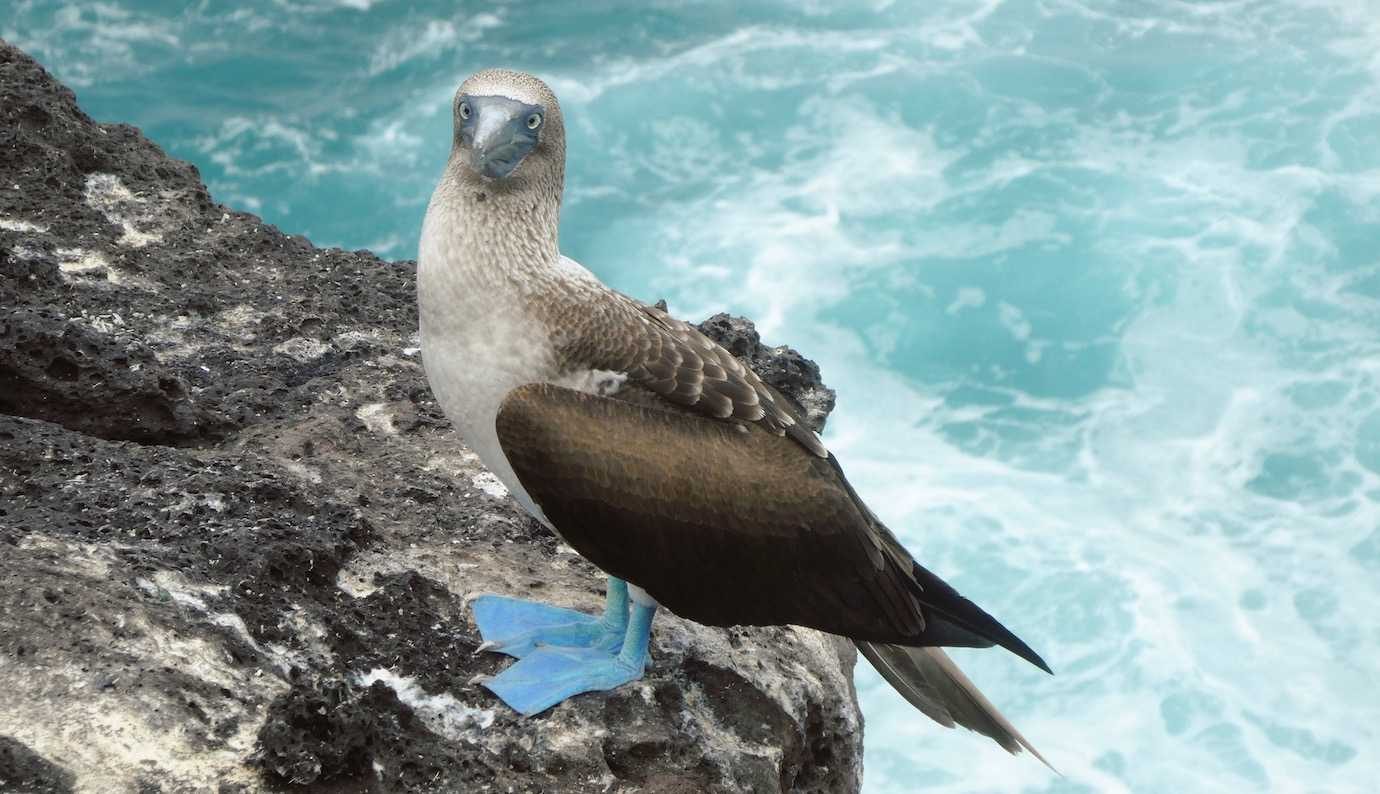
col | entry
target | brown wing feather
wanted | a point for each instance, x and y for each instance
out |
(721, 524)
(733, 525)
(652, 491)
(685, 367)
(930, 681)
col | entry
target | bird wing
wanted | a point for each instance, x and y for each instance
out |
(734, 525)
(726, 524)
(670, 365)
(723, 524)
(672, 359)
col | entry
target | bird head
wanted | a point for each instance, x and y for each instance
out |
(507, 125)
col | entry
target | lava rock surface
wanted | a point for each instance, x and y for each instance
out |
(237, 536)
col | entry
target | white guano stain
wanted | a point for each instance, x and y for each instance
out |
(106, 194)
(377, 418)
(110, 323)
(489, 484)
(112, 738)
(302, 349)
(83, 266)
(442, 714)
(22, 226)
(79, 261)
(241, 321)
(189, 502)
(303, 472)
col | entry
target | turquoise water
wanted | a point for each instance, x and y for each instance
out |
(1098, 285)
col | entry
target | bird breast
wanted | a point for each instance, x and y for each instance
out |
(494, 313)
(479, 342)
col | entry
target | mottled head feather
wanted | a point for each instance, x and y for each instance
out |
(515, 85)
(545, 169)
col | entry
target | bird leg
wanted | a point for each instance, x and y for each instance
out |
(550, 673)
(517, 627)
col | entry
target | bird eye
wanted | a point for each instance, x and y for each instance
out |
(465, 111)
(534, 121)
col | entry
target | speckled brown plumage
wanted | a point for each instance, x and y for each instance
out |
(674, 360)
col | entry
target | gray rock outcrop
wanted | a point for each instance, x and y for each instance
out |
(237, 536)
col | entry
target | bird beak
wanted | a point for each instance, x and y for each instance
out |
(501, 138)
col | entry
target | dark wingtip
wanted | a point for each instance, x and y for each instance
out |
(938, 595)
(1008, 640)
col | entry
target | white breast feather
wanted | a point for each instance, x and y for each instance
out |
(477, 345)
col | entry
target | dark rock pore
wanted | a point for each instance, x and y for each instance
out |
(237, 535)
(50, 367)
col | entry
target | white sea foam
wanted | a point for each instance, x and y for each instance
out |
(435, 38)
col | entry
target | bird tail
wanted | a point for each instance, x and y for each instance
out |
(930, 680)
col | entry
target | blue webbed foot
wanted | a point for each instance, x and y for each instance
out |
(517, 627)
(550, 674)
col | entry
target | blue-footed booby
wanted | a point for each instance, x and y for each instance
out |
(650, 449)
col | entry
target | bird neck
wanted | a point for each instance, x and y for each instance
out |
(511, 225)
(490, 247)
